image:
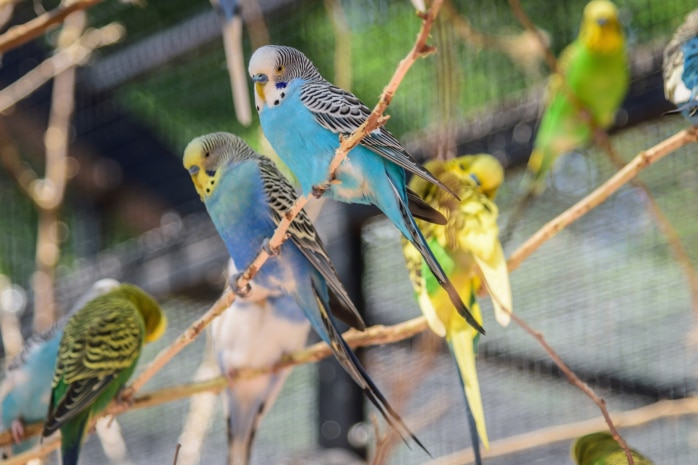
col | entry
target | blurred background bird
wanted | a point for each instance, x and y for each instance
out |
(255, 332)
(97, 354)
(231, 23)
(601, 449)
(681, 68)
(246, 197)
(582, 96)
(288, 87)
(469, 250)
(25, 391)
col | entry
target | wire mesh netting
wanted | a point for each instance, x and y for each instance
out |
(606, 293)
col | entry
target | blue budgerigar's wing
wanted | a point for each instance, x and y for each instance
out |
(339, 111)
(281, 196)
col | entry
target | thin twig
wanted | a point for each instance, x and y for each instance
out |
(375, 335)
(526, 22)
(49, 192)
(23, 175)
(177, 447)
(374, 121)
(18, 35)
(663, 223)
(598, 196)
(73, 55)
(180, 343)
(402, 390)
(574, 379)
(664, 409)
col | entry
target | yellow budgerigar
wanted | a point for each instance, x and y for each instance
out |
(469, 250)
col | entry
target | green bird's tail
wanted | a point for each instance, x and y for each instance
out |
(72, 436)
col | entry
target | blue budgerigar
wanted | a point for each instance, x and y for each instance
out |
(303, 115)
(246, 197)
(231, 23)
(255, 332)
(25, 391)
(681, 68)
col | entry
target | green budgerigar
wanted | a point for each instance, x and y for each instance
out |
(468, 248)
(590, 85)
(601, 449)
(97, 354)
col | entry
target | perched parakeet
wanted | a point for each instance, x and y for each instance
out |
(595, 69)
(591, 83)
(681, 68)
(231, 22)
(255, 332)
(246, 197)
(470, 252)
(97, 354)
(601, 449)
(25, 391)
(303, 115)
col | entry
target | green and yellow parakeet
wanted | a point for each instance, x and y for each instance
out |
(601, 449)
(471, 255)
(97, 354)
(590, 85)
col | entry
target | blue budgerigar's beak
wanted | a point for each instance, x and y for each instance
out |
(260, 78)
(193, 170)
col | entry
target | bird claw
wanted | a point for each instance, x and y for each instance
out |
(319, 190)
(125, 398)
(240, 292)
(17, 431)
(267, 247)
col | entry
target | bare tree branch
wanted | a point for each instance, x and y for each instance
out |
(74, 55)
(49, 191)
(18, 35)
(598, 196)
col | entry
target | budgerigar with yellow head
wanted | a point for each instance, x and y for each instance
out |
(601, 449)
(469, 250)
(97, 354)
(246, 197)
(591, 83)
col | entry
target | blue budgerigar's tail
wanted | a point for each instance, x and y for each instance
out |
(414, 235)
(328, 332)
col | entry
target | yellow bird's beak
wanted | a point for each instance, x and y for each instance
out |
(259, 88)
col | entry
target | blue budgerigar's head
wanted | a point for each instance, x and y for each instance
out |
(273, 67)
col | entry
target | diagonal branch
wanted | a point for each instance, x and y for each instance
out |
(375, 120)
(664, 409)
(600, 194)
(374, 335)
(18, 35)
(66, 58)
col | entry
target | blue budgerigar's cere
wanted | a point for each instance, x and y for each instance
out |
(681, 68)
(25, 390)
(246, 197)
(255, 332)
(289, 88)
